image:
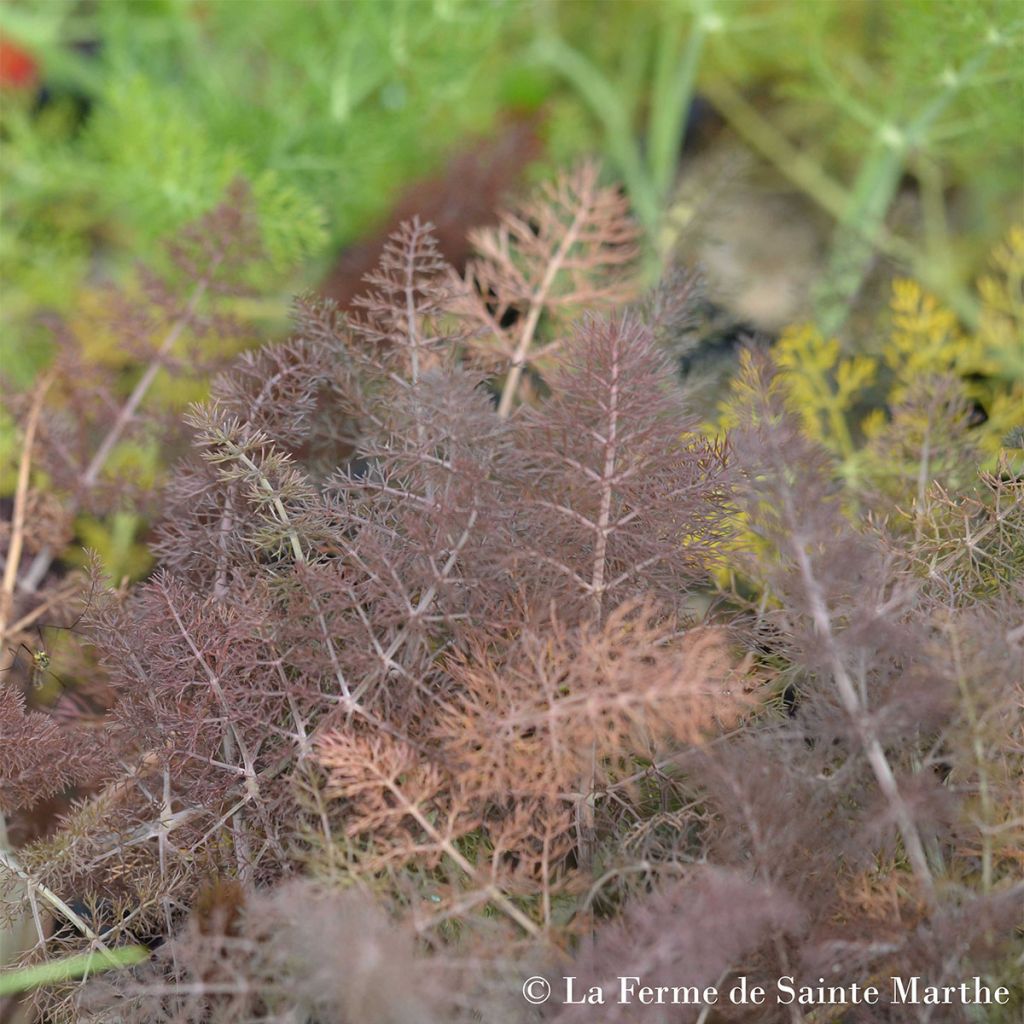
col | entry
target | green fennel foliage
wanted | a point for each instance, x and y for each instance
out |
(326, 109)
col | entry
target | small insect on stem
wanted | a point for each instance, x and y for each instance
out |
(40, 665)
(39, 659)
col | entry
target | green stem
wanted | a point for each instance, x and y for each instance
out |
(604, 102)
(850, 258)
(80, 966)
(872, 196)
(672, 95)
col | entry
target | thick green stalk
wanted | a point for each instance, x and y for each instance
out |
(851, 253)
(873, 193)
(674, 80)
(70, 968)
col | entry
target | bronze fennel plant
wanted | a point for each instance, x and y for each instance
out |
(417, 702)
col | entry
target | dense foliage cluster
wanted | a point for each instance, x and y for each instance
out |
(820, 144)
(434, 688)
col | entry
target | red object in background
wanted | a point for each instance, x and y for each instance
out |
(466, 194)
(18, 69)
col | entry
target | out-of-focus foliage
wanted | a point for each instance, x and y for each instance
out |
(924, 401)
(124, 367)
(844, 401)
(327, 109)
(848, 101)
(952, 65)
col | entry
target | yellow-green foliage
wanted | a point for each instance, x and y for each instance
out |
(1002, 319)
(138, 460)
(928, 402)
(846, 401)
